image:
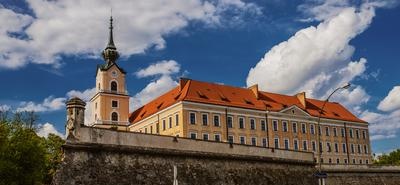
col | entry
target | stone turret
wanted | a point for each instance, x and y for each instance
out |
(75, 117)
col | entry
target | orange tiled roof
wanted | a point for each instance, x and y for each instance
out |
(217, 94)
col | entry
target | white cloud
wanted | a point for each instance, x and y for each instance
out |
(165, 67)
(318, 59)
(46, 129)
(382, 126)
(391, 101)
(165, 70)
(76, 27)
(49, 104)
(4, 108)
(85, 95)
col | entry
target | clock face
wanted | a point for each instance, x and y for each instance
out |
(114, 74)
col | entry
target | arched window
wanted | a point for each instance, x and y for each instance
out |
(114, 86)
(114, 116)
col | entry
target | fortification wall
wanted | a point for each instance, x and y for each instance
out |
(101, 156)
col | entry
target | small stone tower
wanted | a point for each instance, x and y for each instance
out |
(75, 117)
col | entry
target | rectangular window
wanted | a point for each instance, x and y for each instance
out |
(303, 128)
(359, 149)
(114, 104)
(151, 129)
(284, 126)
(252, 124)
(335, 132)
(345, 161)
(275, 125)
(157, 128)
(242, 140)
(170, 122)
(286, 144)
(328, 146)
(337, 161)
(312, 131)
(336, 148)
(204, 118)
(294, 127)
(253, 141)
(344, 148)
(358, 134)
(216, 121)
(320, 147)
(365, 149)
(305, 145)
(327, 131)
(367, 161)
(205, 137)
(192, 117)
(296, 144)
(230, 139)
(342, 132)
(145, 130)
(314, 147)
(354, 161)
(230, 122)
(352, 148)
(217, 137)
(351, 133)
(265, 142)
(276, 142)
(193, 135)
(241, 122)
(176, 119)
(319, 130)
(163, 125)
(364, 134)
(263, 125)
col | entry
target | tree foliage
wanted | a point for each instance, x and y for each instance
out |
(393, 158)
(26, 158)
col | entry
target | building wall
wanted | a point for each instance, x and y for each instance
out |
(164, 122)
(290, 116)
(102, 101)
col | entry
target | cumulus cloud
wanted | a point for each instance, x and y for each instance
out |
(318, 59)
(391, 101)
(387, 124)
(49, 104)
(45, 129)
(164, 70)
(85, 95)
(4, 108)
(165, 67)
(79, 27)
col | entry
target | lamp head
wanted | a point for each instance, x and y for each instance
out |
(346, 86)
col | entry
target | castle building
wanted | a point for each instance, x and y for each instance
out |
(222, 113)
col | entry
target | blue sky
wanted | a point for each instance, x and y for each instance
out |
(49, 52)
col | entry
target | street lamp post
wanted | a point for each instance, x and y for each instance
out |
(321, 176)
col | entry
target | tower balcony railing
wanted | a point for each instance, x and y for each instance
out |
(113, 92)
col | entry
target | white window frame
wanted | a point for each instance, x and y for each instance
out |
(306, 142)
(244, 122)
(202, 119)
(312, 129)
(264, 140)
(190, 134)
(275, 125)
(286, 141)
(294, 125)
(276, 141)
(195, 119)
(231, 121)
(255, 123)
(244, 139)
(219, 120)
(205, 134)
(261, 125)
(295, 143)
(251, 140)
(285, 129)
(219, 135)
(305, 128)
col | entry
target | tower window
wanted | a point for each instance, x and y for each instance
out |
(114, 116)
(114, 86)
(114, 104)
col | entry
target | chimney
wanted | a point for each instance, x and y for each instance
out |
(182, 82)
(302, 98)
(254, 89)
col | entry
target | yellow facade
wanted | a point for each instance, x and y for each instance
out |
(305, 133)
(108, 101)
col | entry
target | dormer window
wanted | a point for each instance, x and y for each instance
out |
(114, 86)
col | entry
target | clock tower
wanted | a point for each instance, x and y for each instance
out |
(110, 104)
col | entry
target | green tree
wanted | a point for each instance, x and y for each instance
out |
(393, 158)
(26, 158)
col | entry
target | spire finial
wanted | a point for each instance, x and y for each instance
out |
(110, 54)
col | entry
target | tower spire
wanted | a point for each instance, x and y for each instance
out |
(110, 54)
